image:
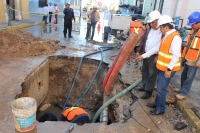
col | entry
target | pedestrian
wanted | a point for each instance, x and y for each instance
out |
(93, 18)
(69, 16)
(75, 115)
(168, 62)
(51, 10)
(88, 24)
(56, 11)
(190, 55)
(45, 12)
(133, 27)
(149, 41)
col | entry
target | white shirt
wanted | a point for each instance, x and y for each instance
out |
(45, 10)
(51, 8)
(174, 49)
(153, 39)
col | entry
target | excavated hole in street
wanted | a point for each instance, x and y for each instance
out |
(50, 85)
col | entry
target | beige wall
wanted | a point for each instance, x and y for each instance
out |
(25, 8)
(2, 14)
(184, 8)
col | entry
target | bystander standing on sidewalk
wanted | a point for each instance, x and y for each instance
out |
(93, 18)
(168, 62)
(190, 55)
(56, 11)
(45, 13)
(51, 10)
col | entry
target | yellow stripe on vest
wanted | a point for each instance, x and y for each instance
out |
(166, 65)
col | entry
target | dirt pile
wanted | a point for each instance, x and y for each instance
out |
(23, 44)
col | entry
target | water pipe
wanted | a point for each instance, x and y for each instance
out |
(114, 98)
(103, 48)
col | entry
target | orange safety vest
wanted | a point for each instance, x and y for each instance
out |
(56, 11)
(96, 16)
(70, 113)
(164, 57)
(193, 51)
(135, 27)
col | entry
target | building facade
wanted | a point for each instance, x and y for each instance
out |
(175, 8)
(20, 10)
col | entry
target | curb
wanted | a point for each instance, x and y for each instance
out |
(21, 26)
(191, 116)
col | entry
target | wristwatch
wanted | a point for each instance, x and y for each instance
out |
(169, 69)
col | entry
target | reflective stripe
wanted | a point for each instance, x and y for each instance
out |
(166, 65)
(195, 42)
(137, 30)
(165, 55)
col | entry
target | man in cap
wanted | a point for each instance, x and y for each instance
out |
(168, 62)
(190, 54)
(51, 10)
(93, 18)
(149, 41)
(133, 27)
(69, 16)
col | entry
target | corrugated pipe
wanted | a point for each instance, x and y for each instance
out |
(114, 98)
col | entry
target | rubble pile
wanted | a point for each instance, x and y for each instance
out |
(23, 44)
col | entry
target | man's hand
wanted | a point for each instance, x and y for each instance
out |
(137, 54)
(197, 65)
(139, 58)
(167, 74)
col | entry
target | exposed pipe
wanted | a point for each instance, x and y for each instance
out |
(175, 8)
(114, 98)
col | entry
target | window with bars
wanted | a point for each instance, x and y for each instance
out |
(42, 3)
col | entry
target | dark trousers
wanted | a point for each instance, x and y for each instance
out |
(45, 19)
(56, 16)
(149, 74)
(67, 25)
(50, 15)
(93, 25)
(88, 33)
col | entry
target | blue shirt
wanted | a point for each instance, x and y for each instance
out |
(69, 14)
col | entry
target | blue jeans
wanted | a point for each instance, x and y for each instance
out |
(187, 77)
(162, 85)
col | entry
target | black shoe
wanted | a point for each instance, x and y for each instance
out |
(151, 105)
(86, 38)
(140, 89)
(70, 36)
(65, 36)
(145, 96)
(155, 112)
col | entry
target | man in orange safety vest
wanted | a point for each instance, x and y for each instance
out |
(190, 55)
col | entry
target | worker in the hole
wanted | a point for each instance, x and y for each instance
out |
(75, 115)
(133, 27)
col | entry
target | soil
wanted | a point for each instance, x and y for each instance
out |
(23, 44)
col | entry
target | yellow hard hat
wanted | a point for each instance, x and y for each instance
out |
(94, 6)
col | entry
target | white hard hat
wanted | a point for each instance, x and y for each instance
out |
(153, 16)
(164, 19)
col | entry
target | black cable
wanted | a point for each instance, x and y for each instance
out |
(145, 112)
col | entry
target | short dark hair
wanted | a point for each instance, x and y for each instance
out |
(170, 26)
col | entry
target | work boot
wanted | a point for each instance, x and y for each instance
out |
(65, 36)
(140, 89)
(177, 90)
(70, 36)
(145, 96)
(180, 97)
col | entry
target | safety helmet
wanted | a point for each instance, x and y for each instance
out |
(153, 16)
(94, 7)
(164, 19)
(193, 18)
(134, 17)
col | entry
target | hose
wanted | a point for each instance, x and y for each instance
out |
(103, 48)
(114, 98)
